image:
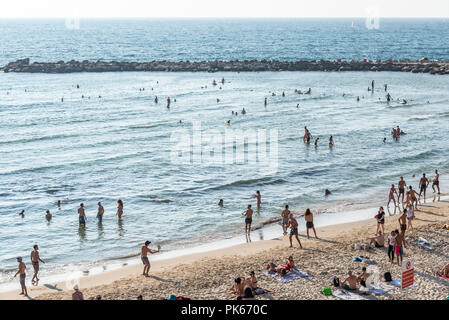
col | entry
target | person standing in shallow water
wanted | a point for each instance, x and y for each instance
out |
(259, 198)
(82, 215)
(119, 208)
(248, 219)
(100, 213)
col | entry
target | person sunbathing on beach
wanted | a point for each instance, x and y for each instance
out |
(350, 283)
(378, 241)
(238, 286)
(252, 280)
(444, 272)
(362, 277)
(293, 225)
(248, 294)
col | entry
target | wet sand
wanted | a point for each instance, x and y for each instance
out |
(209, 275)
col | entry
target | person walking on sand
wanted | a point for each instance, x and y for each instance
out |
(35, 259)
(285, 214)
(248, 219)
(391, 242)
(380, 217)
(77, 295)
(399, 243)
(308, 216)
(391, 195)
(259, 198)
(100, 213)
(403, 221)
(436, 182)
(293, 225)
(144, 256)
(119, 208)
(21, 271)
(410, 216)
(423, 184)
(401, 187)
(82, 215)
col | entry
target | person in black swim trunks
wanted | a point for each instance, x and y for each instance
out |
(144, 256)
(380, 217)
(403, 221)
(248, 219)
(401, 187)
(308, 216)
(436, 182)
(423, 184)
(293, 225)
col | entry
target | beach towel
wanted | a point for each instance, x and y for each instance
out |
(362, 259)
(293, 275)
(346, 295)
(380, 288)
(398, 283)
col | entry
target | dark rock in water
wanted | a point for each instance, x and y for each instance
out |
(422, 66)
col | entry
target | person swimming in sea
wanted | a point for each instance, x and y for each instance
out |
(308, 91)
(265, 102)
(156, 100)
(168, 103)
(214, 83)
(220, 203)
(316, 142)
(307, 135)
(331, 141)
(388, 97)
(228, 122)
(243, 111)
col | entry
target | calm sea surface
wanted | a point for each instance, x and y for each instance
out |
(119, 146)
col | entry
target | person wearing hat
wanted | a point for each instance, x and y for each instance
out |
(144, 257)
(22, 273)
(77, 295)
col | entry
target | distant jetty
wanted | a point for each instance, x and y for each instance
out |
(421, 66)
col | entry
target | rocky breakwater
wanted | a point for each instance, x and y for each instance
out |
(422, 66)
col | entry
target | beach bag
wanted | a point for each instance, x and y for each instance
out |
(336, 282)
(387, 277)
(326, 291)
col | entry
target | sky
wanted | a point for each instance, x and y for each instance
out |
(221, 8)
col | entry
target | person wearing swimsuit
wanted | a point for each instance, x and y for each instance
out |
(423, 183)
(401, 187)
(119, 208)
(436, 182)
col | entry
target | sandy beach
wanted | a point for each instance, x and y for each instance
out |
(209, 275)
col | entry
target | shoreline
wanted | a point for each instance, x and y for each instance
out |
(271, 239)
(414, 66)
